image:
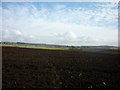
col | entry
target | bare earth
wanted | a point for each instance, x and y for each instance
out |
(39, 68)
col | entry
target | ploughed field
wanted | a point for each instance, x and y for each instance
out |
(42, 68)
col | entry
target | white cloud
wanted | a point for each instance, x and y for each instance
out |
(107, 13)
(77, 26)
(0, 22)
(67, 36)
(16, 36)
(59, 6)
(60, 0)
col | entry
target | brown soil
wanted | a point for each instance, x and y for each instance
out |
(39, 68)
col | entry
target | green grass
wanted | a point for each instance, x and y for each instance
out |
(32, 46)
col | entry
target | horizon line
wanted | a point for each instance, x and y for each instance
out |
(57, 44)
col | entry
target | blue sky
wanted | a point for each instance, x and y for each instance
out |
(65, 23)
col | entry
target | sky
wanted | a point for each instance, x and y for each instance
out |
(63, 23)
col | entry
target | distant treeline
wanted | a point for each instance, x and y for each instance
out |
(35, 44)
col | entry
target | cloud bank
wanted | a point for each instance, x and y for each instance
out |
(61, 23)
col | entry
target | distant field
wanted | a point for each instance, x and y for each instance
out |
(34, 47)
(110, 50)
